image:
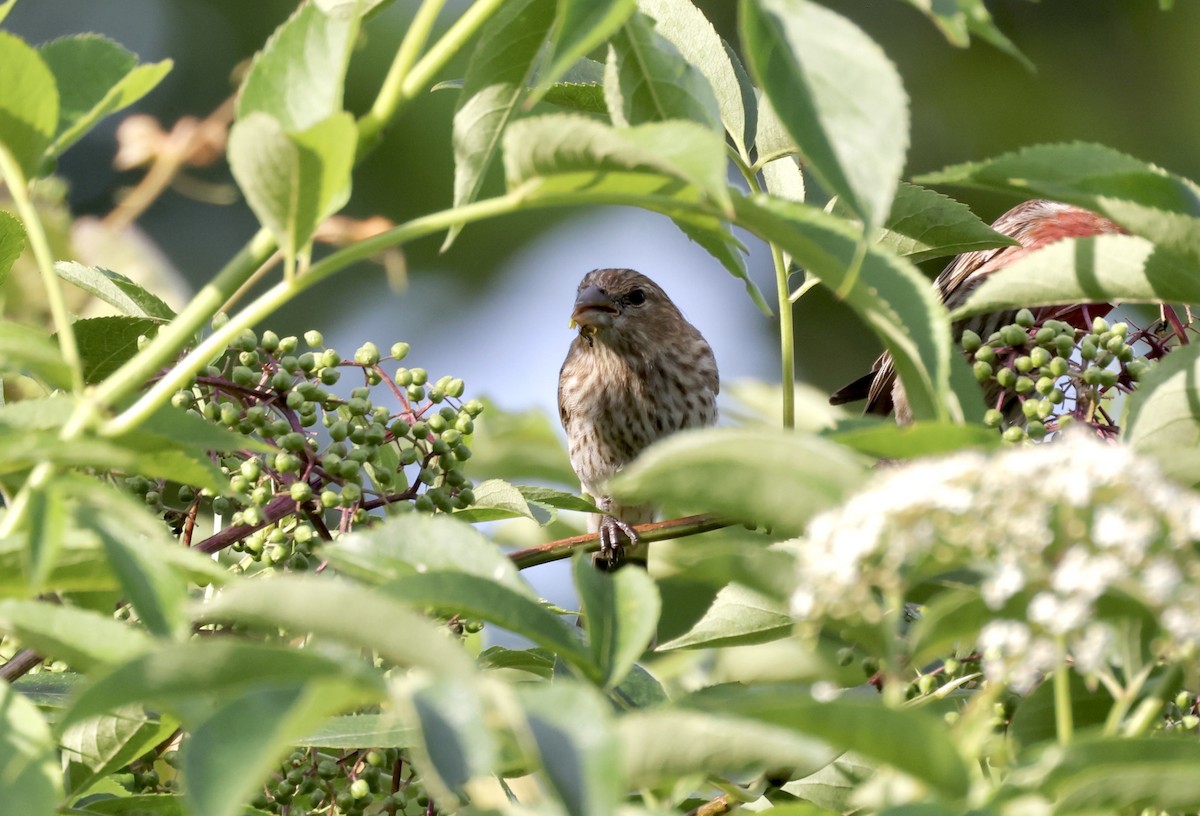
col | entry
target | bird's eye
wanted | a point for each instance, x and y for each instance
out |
(636, 298)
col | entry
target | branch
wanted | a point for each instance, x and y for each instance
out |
(590, 542)
(19, 665)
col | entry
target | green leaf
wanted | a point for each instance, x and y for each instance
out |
(353, 731)
(29, 104)
(417, 543)
(1163, 419)
(190, 431)
(232, 752)
(732, 555)
(12, 242)
(863, 725)
(646, 79)
(1125, 773)
(497, 603)
(572, 727)
(836, 93)
(538, 662)
(1100, 269)
(298, 77)
(292, 181)
(147, 804)
(621, 612)
(557, 499)
(561, 152)
(924, 225)
(49, 689)
(85, 640)
(888, 293)
(132, 548)
(29, 768)
(95, 77)
(38, 414)
(959, 20)
(692, 34)
(495, 84)
(5, 8)
(497, 499)
(1145, 199)
(308, 604)
(181, 673)
(737, 617)
(144, 453)
(106, 744)
(29, 350)
(107, 343)
(456, 745)
(580, 26)
(47, 521)
(665, 744)
(127, 297)
(886, 440)
(771, 477)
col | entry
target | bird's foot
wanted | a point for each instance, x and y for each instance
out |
(612, 549)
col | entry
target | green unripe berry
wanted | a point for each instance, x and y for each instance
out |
(367, 354)
(287, 462)
(182, 399)
(416, 393)
(1044, 385)
(1064, 344)
(1059, 367)
(1036, 431)
(329, 376)
(1023, 364)
(300, 491)
(269, 341)
(251, 469)
(462, 453)
(246, 341)
(339, 430)
(295, 400)
(293, 442)
(1039, 357)
(314, 338)
(983, 371)
(1099, 325)
(1023, 385)
(399, 351)
(1136, 369)
(358, 434)
(287, 345)
(1125, 354)
(219, 320)
(358, 407)
(985, 354)
(467, 495)
(474, 407)
(1045, 409)
(423, 504)
(244, 376)
(250, 359)
(1087, 349)
(329, 499)
(970, 341)
(230, 415)
(1045, 335)
(1024, 319)
(1014, 336)
(419, 376)
(451, 437)
(993, 417)
(455, 388)
(1013, 434)
(1056, 396)
(1107, 378)
(1030, 408)
(279, 427)
(1006, 377)
(403, 377)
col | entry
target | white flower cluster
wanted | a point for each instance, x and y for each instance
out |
(1048, 528)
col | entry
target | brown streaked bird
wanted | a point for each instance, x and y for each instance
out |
(1034, 224)
(636, 372)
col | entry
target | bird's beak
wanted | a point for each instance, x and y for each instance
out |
(593, 308)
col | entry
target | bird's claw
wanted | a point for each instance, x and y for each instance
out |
(612, 549)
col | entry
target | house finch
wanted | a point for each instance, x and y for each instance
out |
(636, 372)
(1034, 224)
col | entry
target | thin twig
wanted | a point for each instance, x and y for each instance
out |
(590, 542)
(20, 665)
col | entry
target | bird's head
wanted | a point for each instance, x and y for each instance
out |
(621, 303)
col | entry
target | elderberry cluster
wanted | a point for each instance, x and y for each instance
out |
(1040, 378)
(317, 462)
